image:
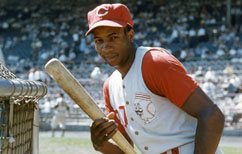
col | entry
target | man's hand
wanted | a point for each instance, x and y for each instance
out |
(102, 130)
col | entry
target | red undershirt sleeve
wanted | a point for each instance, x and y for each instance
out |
(109, 108)
(165, 76)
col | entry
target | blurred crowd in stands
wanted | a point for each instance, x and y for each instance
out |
(195, 32)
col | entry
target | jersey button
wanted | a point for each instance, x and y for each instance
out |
(136, 133)
(127, 102)
(146, 148)
(132, 118)
(123, 86)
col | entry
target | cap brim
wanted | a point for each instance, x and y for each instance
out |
(107, 23)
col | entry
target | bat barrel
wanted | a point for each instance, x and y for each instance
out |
(75, 90)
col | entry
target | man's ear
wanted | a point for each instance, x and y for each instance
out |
(131, 35)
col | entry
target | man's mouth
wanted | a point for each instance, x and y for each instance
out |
(111, 58)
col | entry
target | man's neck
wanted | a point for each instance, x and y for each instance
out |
(124, 70)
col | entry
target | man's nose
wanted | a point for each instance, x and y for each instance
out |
(106, 46)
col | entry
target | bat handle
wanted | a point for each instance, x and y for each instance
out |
(120, 140)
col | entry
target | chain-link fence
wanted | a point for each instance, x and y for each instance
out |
(18, 103)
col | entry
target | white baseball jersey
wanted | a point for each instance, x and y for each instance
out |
(59, 114)
(62, 107)
(154, 123)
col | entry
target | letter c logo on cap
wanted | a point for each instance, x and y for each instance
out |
(102, 11)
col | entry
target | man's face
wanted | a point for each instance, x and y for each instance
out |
(113, 45)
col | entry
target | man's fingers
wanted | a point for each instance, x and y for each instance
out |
(102, 130)
(110, 135)
(107, 131)
(105, 127)
(97, 122)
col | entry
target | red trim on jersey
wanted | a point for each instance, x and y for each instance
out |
(109, 108)
(140, 95)
(165, 76)
(125, 118)
(173, 151)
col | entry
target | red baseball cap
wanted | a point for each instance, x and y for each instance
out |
(113, 15)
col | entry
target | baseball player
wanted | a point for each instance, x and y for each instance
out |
(61, 109)
(149, 97)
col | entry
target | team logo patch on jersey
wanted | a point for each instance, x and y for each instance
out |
(144, 108)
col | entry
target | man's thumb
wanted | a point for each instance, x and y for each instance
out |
(111, 115)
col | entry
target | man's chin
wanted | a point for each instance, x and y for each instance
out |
(113, 65)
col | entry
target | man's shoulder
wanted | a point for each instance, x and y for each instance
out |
(146, 48)
(158, 57)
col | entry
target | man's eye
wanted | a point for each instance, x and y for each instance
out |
(98, 41)
(114, 37)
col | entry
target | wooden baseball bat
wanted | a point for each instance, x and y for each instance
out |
(81, 97)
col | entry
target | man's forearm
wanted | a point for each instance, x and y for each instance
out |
(209, 131)
(109, 148)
